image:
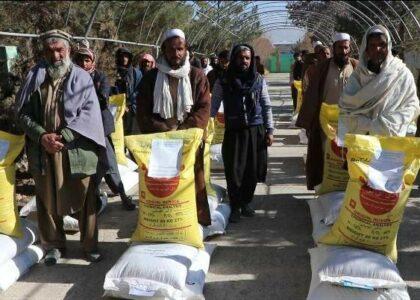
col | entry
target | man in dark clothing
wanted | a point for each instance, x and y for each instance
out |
(185, 89)
(295, 74)
(128, 79)
(220, 69)
(249, 128)
(260, 66)
(214, 61)
(85, 58)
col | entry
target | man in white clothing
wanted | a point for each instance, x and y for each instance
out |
(380, 97)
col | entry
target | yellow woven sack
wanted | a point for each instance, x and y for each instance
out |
(207, 160)
(298, 87)
(118, 101)
(167, 206)
(10, 147)
(382, 171)
(219, 128)
(335, 176)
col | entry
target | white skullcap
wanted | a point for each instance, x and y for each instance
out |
(317, 43)
(377, 30)
(341, 36)
(170, 33)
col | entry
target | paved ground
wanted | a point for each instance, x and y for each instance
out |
(260, 258)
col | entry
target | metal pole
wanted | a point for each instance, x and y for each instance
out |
(68, 14)
(121, 17)
(92, 18)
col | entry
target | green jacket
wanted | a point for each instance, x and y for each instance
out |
(82, 152)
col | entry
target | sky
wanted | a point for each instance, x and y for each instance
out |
(272, 13)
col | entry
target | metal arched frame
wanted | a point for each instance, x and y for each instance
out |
(315, 15)
(379, 18)
(308, 12)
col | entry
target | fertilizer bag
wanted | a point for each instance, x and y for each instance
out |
(382, 171)
(207, 160)
(219, 126)
(117, 105)
(10, 147)
(167, 204)
(335, 176)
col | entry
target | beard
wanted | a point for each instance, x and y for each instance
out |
(341, 61)
(58, 69)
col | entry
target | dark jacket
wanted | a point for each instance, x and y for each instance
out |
(213, 75)
(309, 119)
(102, 91)
(198, 117)
(128, 82)
(243, 109)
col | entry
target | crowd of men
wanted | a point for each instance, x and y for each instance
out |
(63, 109)
(376, 95)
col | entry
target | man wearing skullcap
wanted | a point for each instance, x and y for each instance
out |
(59, 111)
(176, 96)
(380, 97)
(85, 58)
(248, 128)
(325, 84)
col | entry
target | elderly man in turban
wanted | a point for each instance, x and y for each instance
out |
(59, 111)
(176, 96)
(249, 128)
(85, 58)
(326, 84)
(380, 97)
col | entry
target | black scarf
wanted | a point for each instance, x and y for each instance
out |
(238, 80)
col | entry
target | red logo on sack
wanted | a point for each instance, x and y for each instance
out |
(161, 187)
(220, 117)
(377, 202)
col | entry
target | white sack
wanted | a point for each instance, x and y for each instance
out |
(216, 157)
(317, 215)
(303, 139)
(70, 224)
(28, 208)
(196, 277)
(13, 269)
(219, 221)
(12, 246)
(150, 270)
(336, 268)
(331, 205)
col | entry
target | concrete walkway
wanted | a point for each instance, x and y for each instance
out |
(264, 257)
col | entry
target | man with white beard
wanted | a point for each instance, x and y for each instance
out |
(59, 111)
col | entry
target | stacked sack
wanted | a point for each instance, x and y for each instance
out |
(358, 229)
(167, 258)
(17, 236)
(299, 101)
(217, 128)
(126, 167)
(216, 195)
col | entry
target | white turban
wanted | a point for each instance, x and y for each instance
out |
(341, 36)
(170, 33)
(317, 43)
